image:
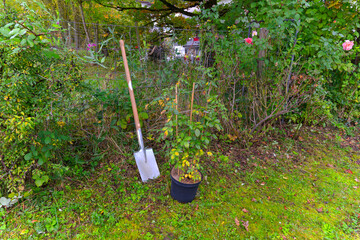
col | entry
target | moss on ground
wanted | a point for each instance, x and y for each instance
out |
(280, 189)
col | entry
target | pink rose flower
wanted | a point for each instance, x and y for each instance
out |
(347, 45)
(249, 41)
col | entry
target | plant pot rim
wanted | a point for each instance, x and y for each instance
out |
(186, 184)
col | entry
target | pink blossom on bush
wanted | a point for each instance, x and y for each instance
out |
(249, 41)
(347, 45)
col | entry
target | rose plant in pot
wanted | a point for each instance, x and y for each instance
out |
(187, 135)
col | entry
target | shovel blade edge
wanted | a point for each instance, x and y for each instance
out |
(148, 170)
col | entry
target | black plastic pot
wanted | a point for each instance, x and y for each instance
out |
(183, 192)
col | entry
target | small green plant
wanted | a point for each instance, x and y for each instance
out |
(188, 133)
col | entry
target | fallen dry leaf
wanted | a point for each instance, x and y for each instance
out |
(237, 222)
(348, 171)
(262, 184)
(319, 210)
(356, 180)
(253, 199)
(355, 187)
(246, 225)
(244, 210)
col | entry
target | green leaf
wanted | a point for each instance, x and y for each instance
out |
(5, 31)
(197, 132)
(144, 115)
(14, 31)
(22, 32)
(28, 156)
(123, 124)
(31, 37)
(35, 153)
(38, 182)
(8, 25)
(47, 154)
(31, 43)
(51, 54)
(47, 140)
(41, 161)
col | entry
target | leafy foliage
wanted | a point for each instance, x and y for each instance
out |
(188, 135)
(36, 81)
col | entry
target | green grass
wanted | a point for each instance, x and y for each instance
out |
(308, 191)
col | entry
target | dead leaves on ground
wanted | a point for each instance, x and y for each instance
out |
(245, 224)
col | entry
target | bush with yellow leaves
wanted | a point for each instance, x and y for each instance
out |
(188, 133)
(35, 83)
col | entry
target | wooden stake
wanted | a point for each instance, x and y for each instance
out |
(176, 107)
(192, 101)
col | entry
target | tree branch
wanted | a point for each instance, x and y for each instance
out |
(34, 33)
(170, 7)
(180, 10)
(119, 8)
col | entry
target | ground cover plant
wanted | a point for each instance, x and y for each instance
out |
(308, 191)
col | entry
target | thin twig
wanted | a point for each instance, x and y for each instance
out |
(36, 34)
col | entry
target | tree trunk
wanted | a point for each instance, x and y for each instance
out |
(83, 21)
(75, 26)
(96, 36)
(6, 13)
(261, 64)
(69, 40)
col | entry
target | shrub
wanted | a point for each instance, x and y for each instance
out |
(37, 81)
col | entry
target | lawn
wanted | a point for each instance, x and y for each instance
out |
(279, 188)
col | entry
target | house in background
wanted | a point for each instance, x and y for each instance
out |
(191, 50)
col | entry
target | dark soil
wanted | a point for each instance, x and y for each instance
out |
(175, 173)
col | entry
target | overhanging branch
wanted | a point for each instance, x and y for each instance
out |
(170, 8)
(180, 10)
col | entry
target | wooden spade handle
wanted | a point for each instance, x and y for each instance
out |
(128, 79)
